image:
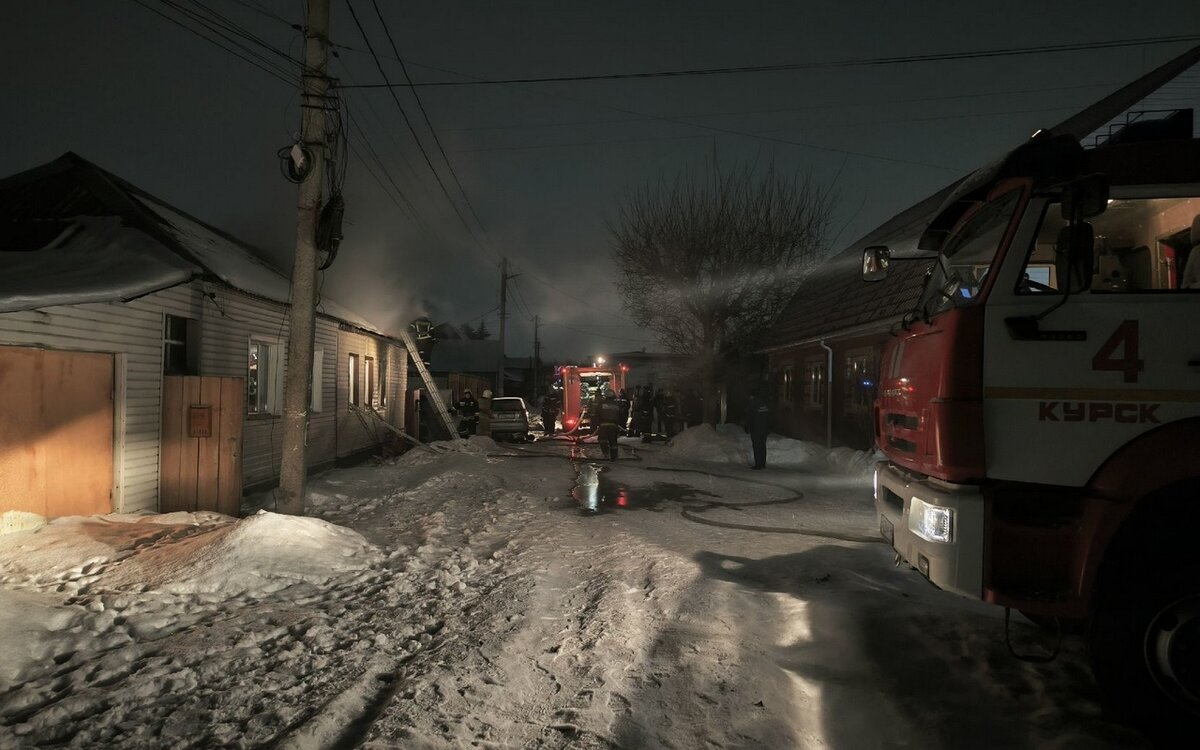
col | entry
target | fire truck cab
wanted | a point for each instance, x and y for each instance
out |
(1040, 408)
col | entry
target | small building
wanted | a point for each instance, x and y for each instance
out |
(142, 354)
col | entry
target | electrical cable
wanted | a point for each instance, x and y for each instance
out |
(820, 65)
(411, 129)
(270, 70)
(429, 124)
(722, 131)
(875, 105)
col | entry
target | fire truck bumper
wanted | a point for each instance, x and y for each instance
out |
(936, 527)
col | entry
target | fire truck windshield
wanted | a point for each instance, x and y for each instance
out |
(966, 258)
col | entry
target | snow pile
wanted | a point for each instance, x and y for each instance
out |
(729, 444)
(270, 551)
(704, 443)
(36, 631)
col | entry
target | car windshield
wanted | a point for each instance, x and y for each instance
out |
(963, 264)
(507, 404)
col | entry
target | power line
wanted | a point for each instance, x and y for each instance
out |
(724, 131)
(263, 64)
(825, 65)
(760, 134)
(876, 104)
(408, 123)
(432, 131)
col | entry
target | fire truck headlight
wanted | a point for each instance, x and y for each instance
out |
(933, 523)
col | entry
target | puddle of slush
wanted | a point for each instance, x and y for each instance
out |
(609, 496)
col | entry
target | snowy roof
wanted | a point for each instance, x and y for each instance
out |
(75, 233)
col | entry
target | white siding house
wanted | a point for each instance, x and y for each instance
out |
(89, 263)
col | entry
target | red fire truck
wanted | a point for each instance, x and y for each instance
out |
(578, 383)
(1040, 408)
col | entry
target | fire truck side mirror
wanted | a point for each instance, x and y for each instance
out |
(876, 260)
(1085, 197)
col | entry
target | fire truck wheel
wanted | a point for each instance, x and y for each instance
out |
(1145, 633)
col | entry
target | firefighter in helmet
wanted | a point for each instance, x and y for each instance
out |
(468, 410)
(607, 415)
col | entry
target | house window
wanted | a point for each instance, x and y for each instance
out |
(787, 386)
(316, 400)
(860, 380)
(264, 377)
(369, 396)
(814, 383)
(355, 396)
(383, 367)
(179, 342)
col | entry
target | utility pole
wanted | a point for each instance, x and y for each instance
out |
(503, 317)
(537, 358)
(301, 318)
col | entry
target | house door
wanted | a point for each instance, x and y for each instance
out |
(201, 450)
(56, 432)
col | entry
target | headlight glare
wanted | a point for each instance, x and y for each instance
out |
(932, 523)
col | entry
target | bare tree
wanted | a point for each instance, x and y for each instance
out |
(708, 261)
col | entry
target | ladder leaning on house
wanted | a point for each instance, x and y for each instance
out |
(434, 395)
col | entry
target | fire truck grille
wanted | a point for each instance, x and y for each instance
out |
(901, 444)
(907, 421)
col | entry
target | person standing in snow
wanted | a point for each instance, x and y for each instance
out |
(670, 414)
(646, 412)
(757, 421)
(468, 409)
(623, 405)
(635, 412)
(549, 415)
(607, 414)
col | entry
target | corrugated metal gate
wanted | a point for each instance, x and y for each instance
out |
(201, 458)
(56, 432)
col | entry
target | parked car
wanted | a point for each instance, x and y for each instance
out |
(510, 418)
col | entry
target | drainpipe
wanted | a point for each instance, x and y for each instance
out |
(828, 394)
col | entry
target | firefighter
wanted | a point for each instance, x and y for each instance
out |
(669, 416)
(468, 409)
(623, 404)
(647, 414)
(607, 414)
(757, 421)
(549, 415)
(635, 412)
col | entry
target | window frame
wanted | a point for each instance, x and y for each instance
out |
(815, 383)
(369, 378)
(269, 398)
(353, 382)
(854, 397)
(187, 343)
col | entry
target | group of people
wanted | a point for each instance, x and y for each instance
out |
(648, 412)
(663, 412)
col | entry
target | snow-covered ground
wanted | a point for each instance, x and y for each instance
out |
(467, 599)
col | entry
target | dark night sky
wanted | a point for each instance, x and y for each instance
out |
(544, 164)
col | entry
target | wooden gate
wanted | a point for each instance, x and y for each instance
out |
(201, 449)
(56, 432)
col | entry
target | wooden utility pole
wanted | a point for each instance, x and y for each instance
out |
(293, 469)
(503, 317)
